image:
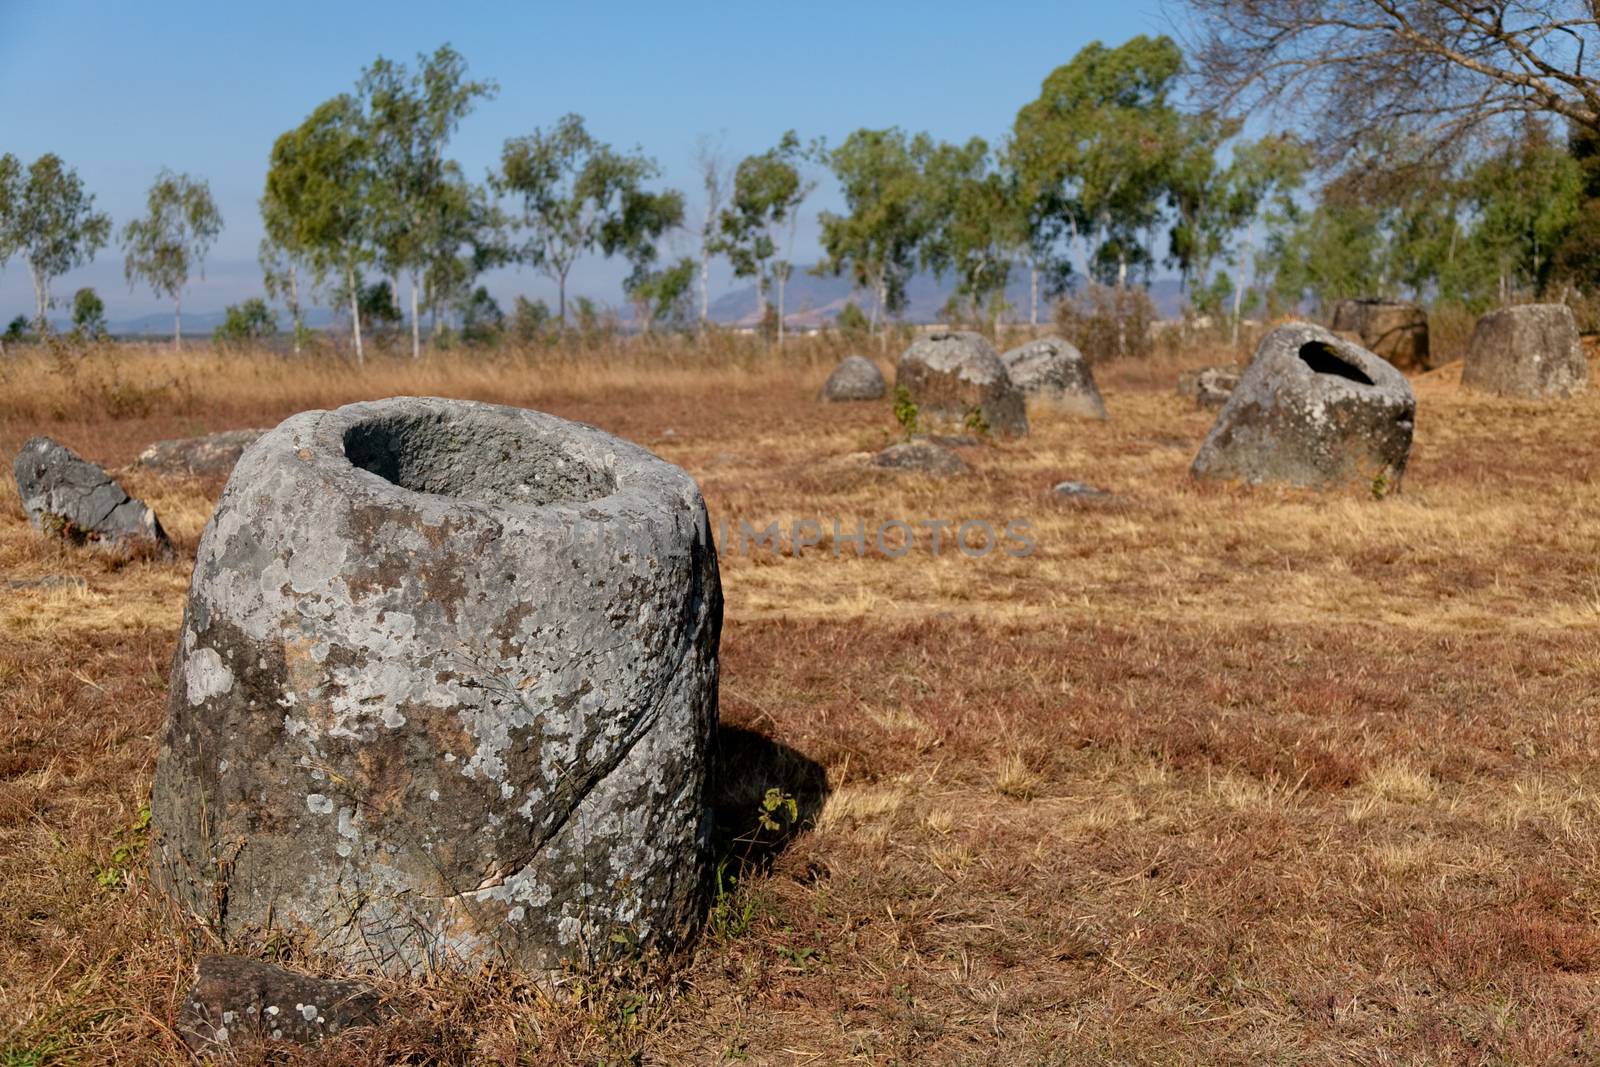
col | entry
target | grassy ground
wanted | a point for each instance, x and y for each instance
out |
(1211, 776)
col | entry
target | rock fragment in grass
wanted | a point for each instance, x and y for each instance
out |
(1532, 350)
(1208, 387)
(919, 457)
(1053, 372)
(1312, 410)
(444, 692)
(1081, 491)
(236, 999)
(855, 378)
(69, 498)
(215, 453)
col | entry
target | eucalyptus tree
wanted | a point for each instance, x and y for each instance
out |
(410, 117)
(879, 238)
(1099, 147)
(579, 195)
(662, 297)
(317, 206)
(1523, 202)
(88, 313)
(716, 178)
(1256, 190)
(172, 239)
(768, 190)
(48, 220)
(974, 225)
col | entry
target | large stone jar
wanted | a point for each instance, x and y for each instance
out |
(445, 691)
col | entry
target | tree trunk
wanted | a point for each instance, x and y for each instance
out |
(177, 322)
(561, 300)
(705, 286)
(41, 300)
(294, 295)
(781, 281)
(1238, 285)
(1122, 288)
(355, 313)
(1033, 295)
(416, 322)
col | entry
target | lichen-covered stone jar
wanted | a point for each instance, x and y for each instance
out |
(445, 691)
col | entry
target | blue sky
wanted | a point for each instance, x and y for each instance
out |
(120, 90)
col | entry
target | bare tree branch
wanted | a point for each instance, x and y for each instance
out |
(1438, 71)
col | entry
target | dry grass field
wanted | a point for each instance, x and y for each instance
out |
(1212, 776)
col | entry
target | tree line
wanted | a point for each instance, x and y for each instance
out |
(1112, 173)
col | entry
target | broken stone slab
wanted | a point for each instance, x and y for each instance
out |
(958, 383)
(1208, 387)
(69, 498)
(444, 692)
(1052, 371)
(1532, 350)
(215, 453)
(919, 457)
(1394, 331)
(855, 378)
(1313, 410)
(236, 999)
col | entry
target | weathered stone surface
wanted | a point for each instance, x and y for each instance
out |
(235, 998)
(1312, 410)
(68, 497)
(953, 375)
(1080, 491)
(1052, 371)
(919, 457)
(1532, 350)
(444, 690)
(214, 453)
(1214, 387)
(1208, 387)
(1395, 331)
(855, 378)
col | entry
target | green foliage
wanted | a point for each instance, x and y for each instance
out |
(767, 192)
(88, 313)
(481, 318)
(1493, 229)
(249, 323)
(579, 195)
(316, 207)
(974, 422)
(851, 320)
(973, 220)
(880, 176)
(1098, 150)
(663, 297)
(378, 305)
(17, 329)
(128, 846)
(162, 247)
(530, 321)
(423, 213)
(48, 220)
(905, 410)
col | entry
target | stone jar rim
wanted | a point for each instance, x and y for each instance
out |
(624, 481)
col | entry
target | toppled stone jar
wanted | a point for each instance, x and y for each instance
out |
(445, 691)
